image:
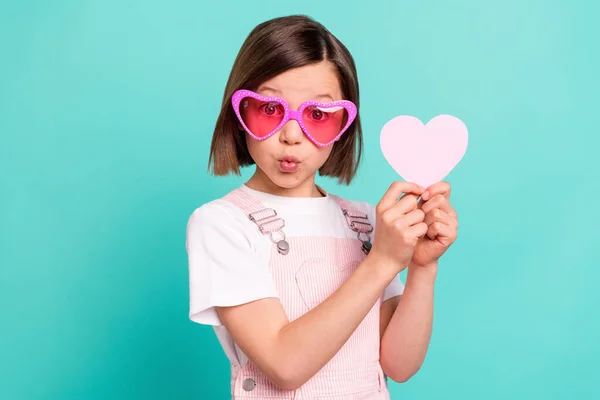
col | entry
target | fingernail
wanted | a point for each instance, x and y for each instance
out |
(425, 195)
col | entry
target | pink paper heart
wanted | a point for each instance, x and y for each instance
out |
(424, 154)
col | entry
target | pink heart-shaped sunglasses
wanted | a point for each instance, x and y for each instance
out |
(263, 116)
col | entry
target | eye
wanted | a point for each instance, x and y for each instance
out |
(270, 108)
(317, 114)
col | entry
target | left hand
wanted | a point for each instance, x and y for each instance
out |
(442, 223)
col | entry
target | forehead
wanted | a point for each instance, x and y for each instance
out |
(310, 82)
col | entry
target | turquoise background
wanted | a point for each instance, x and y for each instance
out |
(106, 114)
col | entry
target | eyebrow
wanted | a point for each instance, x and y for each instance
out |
(324, 96)
(270, 89)
(278, 93)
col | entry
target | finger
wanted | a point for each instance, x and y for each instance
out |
(438, 201)
(442, 188)
(437, 215)
(412, 218)
(441, 232)
(419, 230)
(394, 192)
(407, 204)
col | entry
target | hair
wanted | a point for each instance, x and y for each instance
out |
(271, 48)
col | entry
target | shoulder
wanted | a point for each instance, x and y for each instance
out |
(217, 219)
(367, 208)
(213, 211)
(362, 206)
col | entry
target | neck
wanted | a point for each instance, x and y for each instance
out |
(261, 182)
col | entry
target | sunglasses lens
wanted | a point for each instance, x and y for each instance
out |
(324, 123)
(261, 117)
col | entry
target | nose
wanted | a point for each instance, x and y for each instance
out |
(291, 133)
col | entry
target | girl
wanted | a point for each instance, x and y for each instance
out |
(304, 305)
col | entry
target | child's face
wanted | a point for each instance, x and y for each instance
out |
(312, 82)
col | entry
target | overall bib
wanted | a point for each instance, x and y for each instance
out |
(305, 272)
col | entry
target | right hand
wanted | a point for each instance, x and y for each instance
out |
(399, 224)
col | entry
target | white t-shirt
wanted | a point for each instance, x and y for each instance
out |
(228, 257)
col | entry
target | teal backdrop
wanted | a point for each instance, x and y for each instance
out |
(106, 114)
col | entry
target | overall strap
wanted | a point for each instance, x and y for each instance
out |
(357, 221)
(266, 219)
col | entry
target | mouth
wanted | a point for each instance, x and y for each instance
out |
(288, 163)
(289, 159)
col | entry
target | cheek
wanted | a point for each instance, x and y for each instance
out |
(263, 151)
(325, 152)
(321, 155)
(259, 149)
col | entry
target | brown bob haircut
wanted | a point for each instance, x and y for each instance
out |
(270, 49)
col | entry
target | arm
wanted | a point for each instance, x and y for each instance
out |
(406, 339)
(406, 323)
(290, 353)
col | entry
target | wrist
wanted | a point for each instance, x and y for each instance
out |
(387, 266)
(430, 266)
(426, 272)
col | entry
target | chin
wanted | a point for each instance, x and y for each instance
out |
(286, 180)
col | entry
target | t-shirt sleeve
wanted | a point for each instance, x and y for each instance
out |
(396, 287)
(225, 269)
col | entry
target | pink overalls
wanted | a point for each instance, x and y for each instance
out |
(306, 271)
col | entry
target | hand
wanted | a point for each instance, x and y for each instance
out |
(399, 225)
(442, 225)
